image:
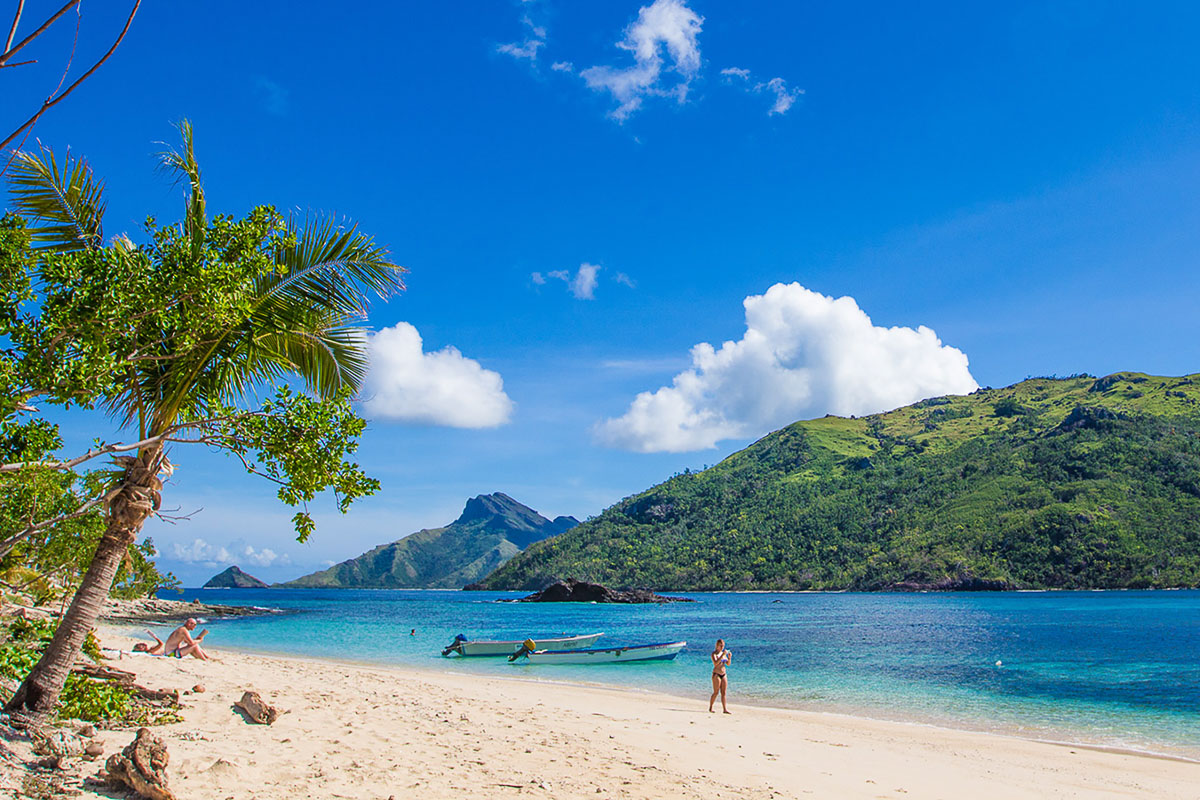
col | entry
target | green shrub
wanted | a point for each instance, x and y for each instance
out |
(93, 700)
(82, 697)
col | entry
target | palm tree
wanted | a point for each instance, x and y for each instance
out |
(299, 320)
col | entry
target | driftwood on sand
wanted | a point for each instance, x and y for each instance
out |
(256, 710)
(142, 766)
(104, 672)
(126, 680)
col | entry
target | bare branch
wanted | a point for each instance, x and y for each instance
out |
(74, 47)
(10, 51)
(12, 32)
(173, 518)
(51, 103)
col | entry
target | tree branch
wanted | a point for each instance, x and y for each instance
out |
(166, 436)
(12, 32)
(8, 544)
(10, 51)
(51, 103)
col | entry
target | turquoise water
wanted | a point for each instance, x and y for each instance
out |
(1113, 668)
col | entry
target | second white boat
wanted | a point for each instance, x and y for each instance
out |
(463, 646)
(600, 655)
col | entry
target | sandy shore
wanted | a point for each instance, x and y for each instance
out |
(358, 732)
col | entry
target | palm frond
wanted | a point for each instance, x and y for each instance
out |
(183, 166)
(301, 318)
(332, 266)
(299, 322)
(327, 359)
(66, 205)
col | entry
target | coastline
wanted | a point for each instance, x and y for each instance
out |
(490, 736)
(1045, 733)
(157, 610)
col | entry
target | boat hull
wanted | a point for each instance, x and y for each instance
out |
(470, 649)
(606, 655)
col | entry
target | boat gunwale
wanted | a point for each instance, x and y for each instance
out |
(681, 644)
(592, 636)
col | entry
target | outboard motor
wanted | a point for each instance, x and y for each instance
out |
(455, 646)
(527, 647)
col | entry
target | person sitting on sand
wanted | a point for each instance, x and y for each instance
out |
(721, 658)
(179, 644)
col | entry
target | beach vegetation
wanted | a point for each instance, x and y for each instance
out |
(23, 641)
(243, 335)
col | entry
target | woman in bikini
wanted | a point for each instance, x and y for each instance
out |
(721, 658)
(155, 649)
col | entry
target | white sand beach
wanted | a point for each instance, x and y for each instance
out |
(353, 731)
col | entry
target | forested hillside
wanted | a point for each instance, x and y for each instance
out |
(491, 529)
(1064, 483)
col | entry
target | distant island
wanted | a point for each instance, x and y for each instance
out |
(1068, 483)
(234, 578)
(491, 530)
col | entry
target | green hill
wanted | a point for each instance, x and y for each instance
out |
(234, 578)
(492, 529)
(1064, 483)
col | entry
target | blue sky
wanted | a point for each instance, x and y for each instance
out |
(1019, 180)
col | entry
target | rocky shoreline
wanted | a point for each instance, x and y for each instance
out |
(157, 610)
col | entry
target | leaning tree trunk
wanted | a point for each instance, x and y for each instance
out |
(137, 498)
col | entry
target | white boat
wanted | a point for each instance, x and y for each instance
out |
(604, 655)
(465, 647)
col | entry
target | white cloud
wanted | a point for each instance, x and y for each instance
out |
(528, 49)
(562, 66)
(201, 552)
(538, 278)
(783, 96)
(196, 552)
(444, 387)
(582, 284)
(625, 279)
(803, 355)
(644, 365)
(263, 558)
(665, 23)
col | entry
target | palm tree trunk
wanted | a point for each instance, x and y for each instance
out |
(137, 498)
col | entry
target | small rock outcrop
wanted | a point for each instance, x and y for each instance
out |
(1087, 418)
(234, 578)
(573, 591)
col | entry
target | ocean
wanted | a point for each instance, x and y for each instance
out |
(1116, 669)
